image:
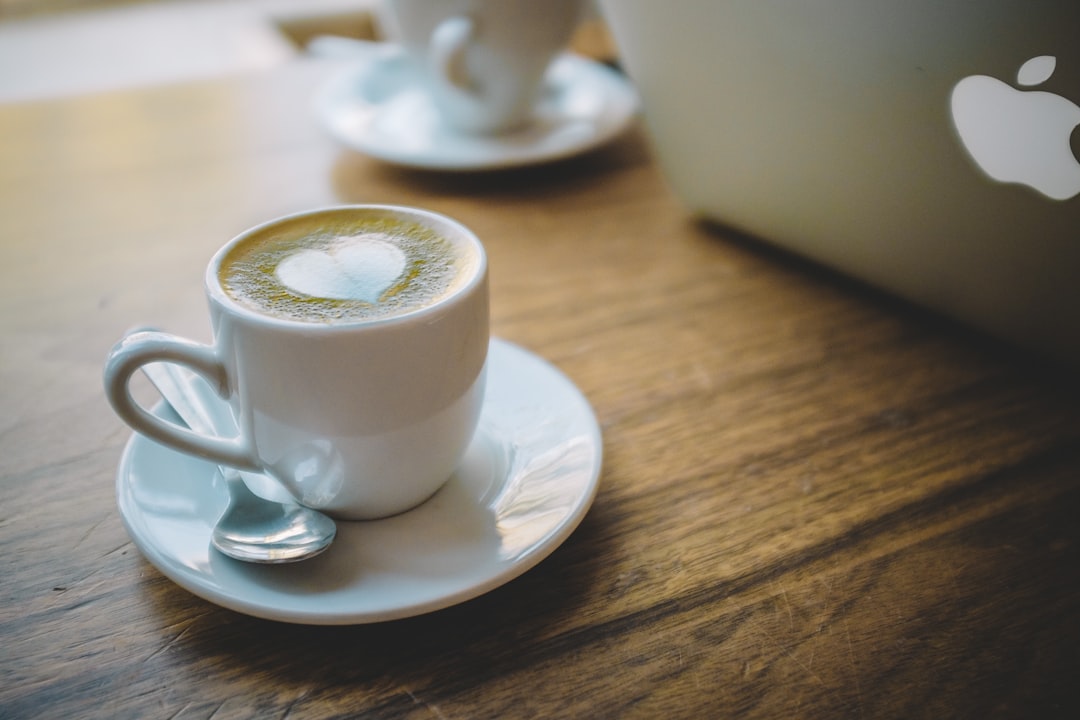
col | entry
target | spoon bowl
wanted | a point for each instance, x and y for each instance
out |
(263, 531)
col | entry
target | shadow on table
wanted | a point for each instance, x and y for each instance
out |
(354, 174)
(919, 322)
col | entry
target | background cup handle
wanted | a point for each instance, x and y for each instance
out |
(449, 42)
(141, 347)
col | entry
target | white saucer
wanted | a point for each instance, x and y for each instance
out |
(527, 480)
(378, 108)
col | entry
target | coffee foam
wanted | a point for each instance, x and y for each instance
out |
(352, 268)
(348, 271)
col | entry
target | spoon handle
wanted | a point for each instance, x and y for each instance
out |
(180, 386)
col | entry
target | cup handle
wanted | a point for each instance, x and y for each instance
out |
(448, 44)
(141, 347)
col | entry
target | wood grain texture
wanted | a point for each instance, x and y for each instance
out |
(816, 502)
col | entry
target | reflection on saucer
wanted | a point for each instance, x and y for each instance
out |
(526, 481)
(378, 108)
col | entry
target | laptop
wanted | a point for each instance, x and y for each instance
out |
(929, 147)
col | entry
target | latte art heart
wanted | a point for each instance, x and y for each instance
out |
(352, 269)
(355, 267)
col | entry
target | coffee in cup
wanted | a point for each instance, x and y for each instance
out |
(350, 344)
(312, 269)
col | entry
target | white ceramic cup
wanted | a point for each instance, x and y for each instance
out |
(483, 61)
(362, 419)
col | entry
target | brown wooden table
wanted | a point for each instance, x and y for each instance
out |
(816, 501)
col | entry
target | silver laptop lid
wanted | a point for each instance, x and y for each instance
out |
(926, 146)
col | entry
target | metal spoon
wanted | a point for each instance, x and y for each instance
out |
(252, 528)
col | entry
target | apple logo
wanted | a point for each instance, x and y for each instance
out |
(1020, 136)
